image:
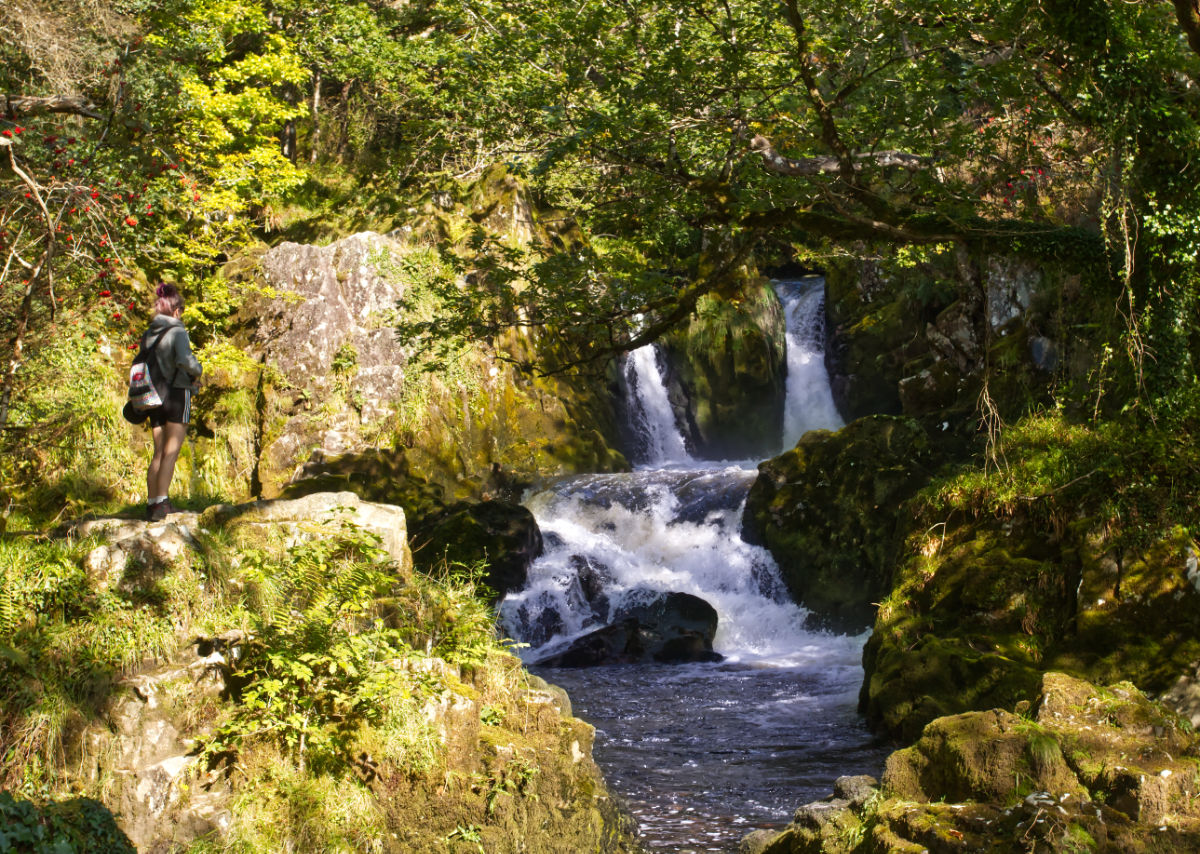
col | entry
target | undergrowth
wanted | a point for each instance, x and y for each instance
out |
(333, 678)
(1133, 476)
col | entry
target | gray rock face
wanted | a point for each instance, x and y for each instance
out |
(333, 298)
(157, 781)
(1011, 285)
(329, 334)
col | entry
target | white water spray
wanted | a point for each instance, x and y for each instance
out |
(650, 408)
(698, 749)
(809, 404)
(674, 526)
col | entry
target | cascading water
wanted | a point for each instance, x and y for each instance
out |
(650, 414)
(703, 753)
(809, 404)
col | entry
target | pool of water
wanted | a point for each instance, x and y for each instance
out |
(704, 754)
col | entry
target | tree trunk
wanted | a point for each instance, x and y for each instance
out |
(17, 106)
(316, 116)
(1188, 12)
(287, 141)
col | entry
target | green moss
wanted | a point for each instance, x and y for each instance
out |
(828, 512)
(730, 364)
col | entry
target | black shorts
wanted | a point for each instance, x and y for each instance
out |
(177, 408)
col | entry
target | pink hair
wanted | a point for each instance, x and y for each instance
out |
(169, 300)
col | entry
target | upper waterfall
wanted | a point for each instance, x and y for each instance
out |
(652, 418)
(809, 404)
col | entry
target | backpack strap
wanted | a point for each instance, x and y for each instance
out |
(157, 338)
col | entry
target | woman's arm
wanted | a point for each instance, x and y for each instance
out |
(185, 360)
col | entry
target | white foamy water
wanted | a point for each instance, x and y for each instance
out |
(662, 531)
(809, 404)
(650, 408)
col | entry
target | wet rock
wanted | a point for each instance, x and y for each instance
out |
(663, 627)
(593, 578)
(619, 643)
(539, 621)
(827, 511)
(856, 789)
(502, 536)
(756, 842)
(728, 371)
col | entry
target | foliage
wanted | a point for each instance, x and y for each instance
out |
(333, 626)
(63, 827)
(1135, 477)
(66, 446)
(687, 133)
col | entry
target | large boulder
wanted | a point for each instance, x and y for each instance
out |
(663, 627)
(728, 370)
(980, 607)
(501, 537)
(1081, 768)
(322, 382)
(829, 512)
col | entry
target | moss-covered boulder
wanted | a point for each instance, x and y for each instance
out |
(499, 536)
(728, 369)
(1081, 768)
(364, 706)
(830, 510)
(980, 607)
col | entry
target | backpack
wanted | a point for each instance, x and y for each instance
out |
(147, 386)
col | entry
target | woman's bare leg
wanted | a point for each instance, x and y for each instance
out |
(168, 441)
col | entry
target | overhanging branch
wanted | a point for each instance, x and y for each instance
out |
(827, 164)
(23, 106)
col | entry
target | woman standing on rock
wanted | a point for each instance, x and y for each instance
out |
(168, 423)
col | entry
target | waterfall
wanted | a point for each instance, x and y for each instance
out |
(611, 540)
(702, 752)
(809, 404)
(653, 420)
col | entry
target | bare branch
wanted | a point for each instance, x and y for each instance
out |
(21, 106)
(826, 164)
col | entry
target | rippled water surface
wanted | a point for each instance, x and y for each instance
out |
(704, 754)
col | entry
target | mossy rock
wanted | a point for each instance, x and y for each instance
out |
(1095, 769)
(907, 686)
(978, 756)
(980, 607)
(828, 511)
(729, 365)
(385, 476)
(499, 536)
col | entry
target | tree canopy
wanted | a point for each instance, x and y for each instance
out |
(684, 137)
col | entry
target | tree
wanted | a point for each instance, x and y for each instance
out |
(679, 126)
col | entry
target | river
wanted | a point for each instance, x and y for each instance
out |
(702, 753)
